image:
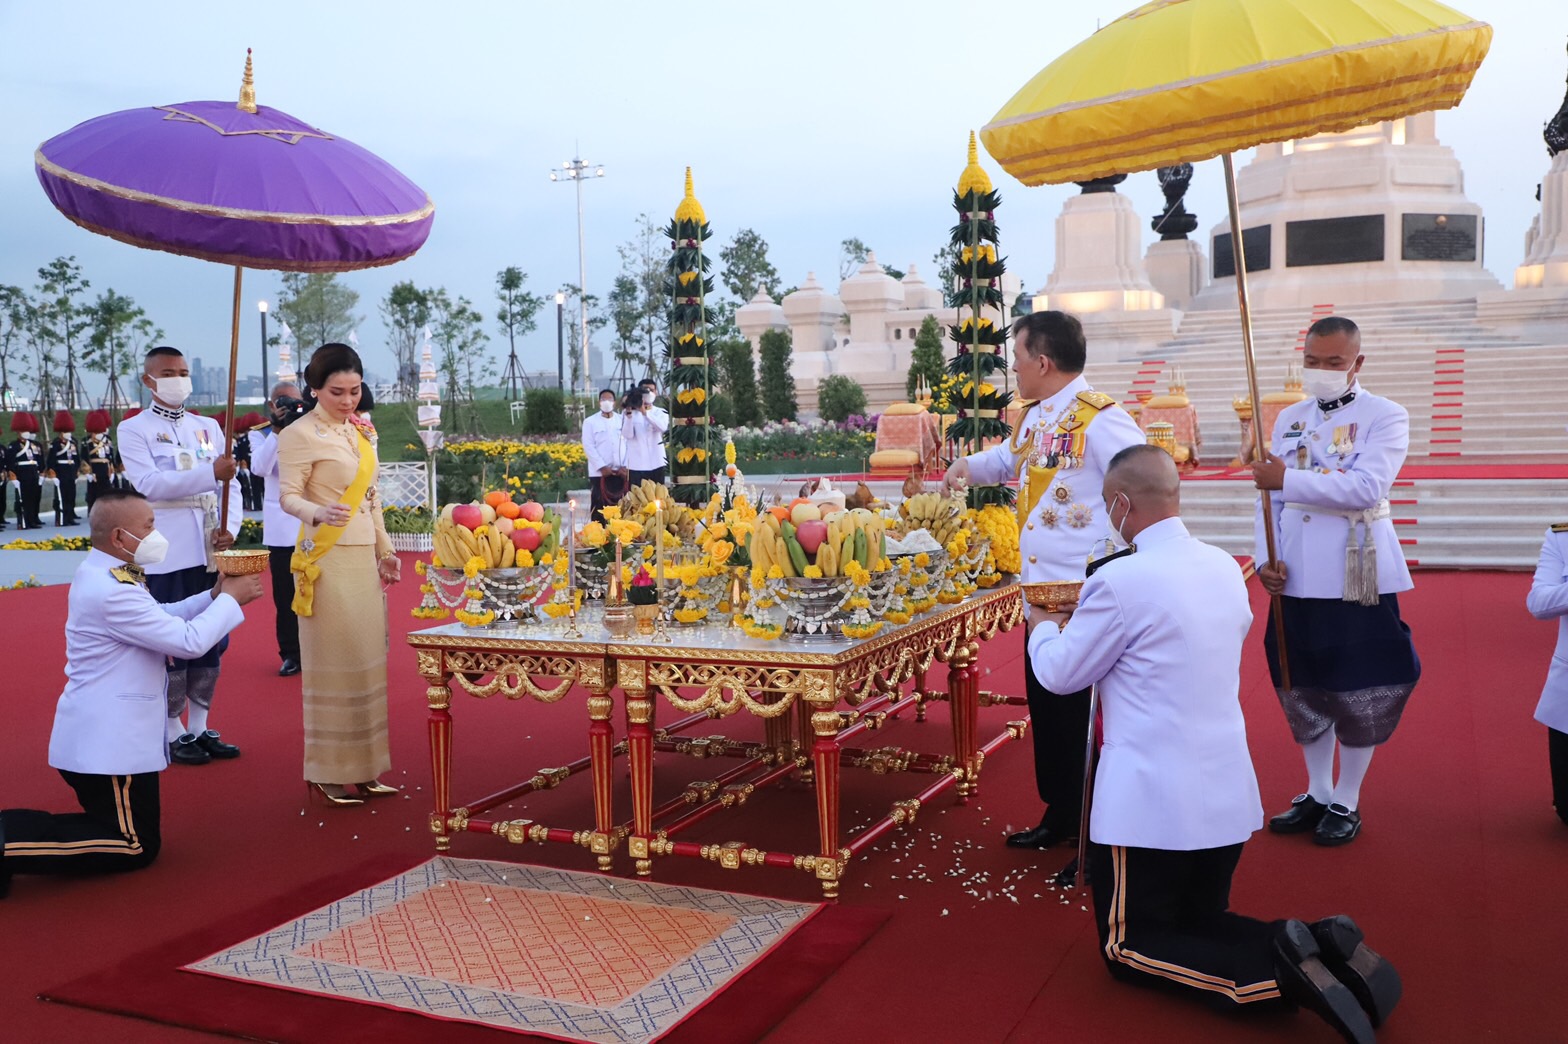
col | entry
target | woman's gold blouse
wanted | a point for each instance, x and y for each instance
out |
(317, 462)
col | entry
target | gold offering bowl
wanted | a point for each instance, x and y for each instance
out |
(1053, 595)
(234, 562)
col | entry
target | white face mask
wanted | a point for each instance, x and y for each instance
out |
(151, 549)
(28, 436)
(606, 406)
(1111, 526)
(172, 391)
(647, 398)
(1325, 385)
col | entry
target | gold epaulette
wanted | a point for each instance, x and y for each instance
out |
(127, 574)
(1099, 400)
(1027, 406)
(1560, 527)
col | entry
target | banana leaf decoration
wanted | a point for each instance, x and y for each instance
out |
(688, 375)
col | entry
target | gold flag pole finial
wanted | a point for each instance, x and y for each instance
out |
(974, 178)
(690, 209)
(247, 101)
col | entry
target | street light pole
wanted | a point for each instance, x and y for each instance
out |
(261, 306)
(560, 341)
(578, 169)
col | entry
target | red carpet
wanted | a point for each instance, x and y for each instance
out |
(1456, 877)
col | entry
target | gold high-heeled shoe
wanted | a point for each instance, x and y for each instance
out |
(377, 788)
(331, 798)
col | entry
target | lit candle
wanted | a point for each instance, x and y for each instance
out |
(658, 545)
(571, 548)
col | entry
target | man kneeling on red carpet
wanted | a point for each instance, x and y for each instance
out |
(1160, 632)
(108, 740)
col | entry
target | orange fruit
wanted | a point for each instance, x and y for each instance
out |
(507, 509)
(496, 498)
(780, 513)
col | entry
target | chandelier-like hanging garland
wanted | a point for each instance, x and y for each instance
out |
(688, 377)
(981, 337)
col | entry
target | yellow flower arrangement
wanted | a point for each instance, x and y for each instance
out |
(611, 513)
(861, 630)
(692, 453)
(986, 253)
(697, 395)
(690, 615)
(856, 573)
(893, 616)
(923, 560)
(555, 610)
(717, 531)
(720, 551)
(525, 559)
(624, 530)
(758, 579)
(729, 458)
(812, 572)
(753, 629)
(687, 278)
(1001, 525)
(859, 602)
(775, 573)
(419, 565)
(560, 565)
(472, 566)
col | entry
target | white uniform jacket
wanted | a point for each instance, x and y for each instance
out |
(278, 527)
(1548, 600)
(110, 718)
(1337, 463)
(603, 444)
(644, 437)
(170, 462)
(1161, 632)
(1067, 527)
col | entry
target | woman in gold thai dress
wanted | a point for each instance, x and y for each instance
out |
(327, 467)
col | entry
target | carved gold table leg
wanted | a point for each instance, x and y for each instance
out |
(601, 754)
(825, 722)
(919, 694)
(439, 696)
(804, 739)
(632, 676)
(963, 688)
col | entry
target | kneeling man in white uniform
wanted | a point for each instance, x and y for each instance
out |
(108, 740)
(1160, 631)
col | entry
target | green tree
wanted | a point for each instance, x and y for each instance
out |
(839, 398)
(778, 382)
(63, 318)
(746, 266)
(946, 262)
(119, 325)
(926, 361)
(625, 317)
(516, 317)
(574, 333)
(738, 378)
(16, 326)
(852, 253)
(643, 259)
(405, 311)
(458, 328)
(318, 308)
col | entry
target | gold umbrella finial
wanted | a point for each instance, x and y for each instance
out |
(247, 101)
(690, 209)
(974, 178)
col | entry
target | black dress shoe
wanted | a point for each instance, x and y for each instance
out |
(210, 742)
(289, 669)
(1339, 826)
(1041, 836)
(1304, 813)
(1306, 980)
(186, 751)
(1371, 978)
(1067, 876)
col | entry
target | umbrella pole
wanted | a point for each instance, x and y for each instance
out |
(1259, 437)
(228, 418)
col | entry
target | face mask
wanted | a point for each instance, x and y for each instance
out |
(172, 390)
(606, 406)
(647, 398)
(1115, 529)
(1325, 385)
(150, 549)
(28, 436)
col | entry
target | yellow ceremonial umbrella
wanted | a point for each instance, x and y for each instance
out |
(1177, 81)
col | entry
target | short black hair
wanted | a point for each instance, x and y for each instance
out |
(1055, 335)
(607, 391)
(330, 359)
(162, 349)
(648, 382)
(110, 496)
(1333, 324)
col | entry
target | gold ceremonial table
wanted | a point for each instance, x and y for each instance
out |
(812, 698)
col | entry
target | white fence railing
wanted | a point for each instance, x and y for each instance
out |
(406, 484)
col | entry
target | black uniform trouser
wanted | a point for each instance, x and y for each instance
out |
(176, 586)
(656, 475)
(1059, 723)
(116, 830)
(67, 497)
(99, 484)
(27, 500)
(278, 559)
(1164, 921)
(1557, 750)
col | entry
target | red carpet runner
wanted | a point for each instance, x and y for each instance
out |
(1456, 877)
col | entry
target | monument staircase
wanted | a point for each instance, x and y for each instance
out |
(1488, 465)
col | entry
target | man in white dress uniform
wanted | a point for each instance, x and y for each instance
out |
(1160, 631)
(279, 529)
(1548, 600)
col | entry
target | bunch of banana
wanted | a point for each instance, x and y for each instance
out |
(456, 544)
(939, 515)
(851, 536)
(678, 518)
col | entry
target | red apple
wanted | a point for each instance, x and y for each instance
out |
(811, 533)
(525, 538)
(533, 511)
(468, 516)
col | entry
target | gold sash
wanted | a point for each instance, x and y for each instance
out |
(1036, 480)
(303, 563)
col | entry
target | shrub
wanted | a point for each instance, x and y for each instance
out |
(778, 383)
(721, 410)
(544, 411)
(839, 398)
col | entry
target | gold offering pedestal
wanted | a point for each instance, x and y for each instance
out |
(812, 700)
(240, 562)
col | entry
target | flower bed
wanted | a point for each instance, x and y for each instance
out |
(545, 470)
(807, 443)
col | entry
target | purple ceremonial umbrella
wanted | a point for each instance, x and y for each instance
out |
(243, 185)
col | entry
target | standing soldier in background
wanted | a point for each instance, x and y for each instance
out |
(606, 452)
(24, 460)
(279, 529)
(99, 454)
(176, 460)
(1334, 457)
(63, 459)
(1059, 452)
(1548, 600)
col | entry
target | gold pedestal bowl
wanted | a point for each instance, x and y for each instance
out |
(240, 562)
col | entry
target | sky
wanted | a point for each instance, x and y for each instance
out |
(809, 122)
